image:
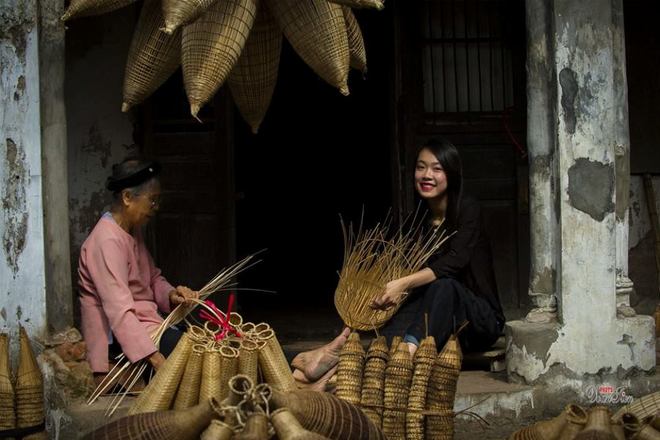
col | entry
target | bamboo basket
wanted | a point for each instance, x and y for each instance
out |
(598, 425)
(209, 385)
(274, 365)
(287, 427)
(253, 78)
(643, 407)
(442, 390)
(7, 413)
(423, 363)
(256, 428)
(357, 51)
(576, 419)
(398, 377)
(248, 361)
(350, 370)
(211, 46)
(327, 415)
(29, 386)
(86, 8)
(371, 399)
(152, 58)
(178, 13)
(317, 32)
(217, 430)
(360, 4)
(161, 390)
(188, 393)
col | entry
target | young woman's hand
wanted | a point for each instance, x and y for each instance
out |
(182, 294)
(394, 293)
(156, 360)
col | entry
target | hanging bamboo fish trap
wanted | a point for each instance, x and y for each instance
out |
(442, 390)
(423, 364)
(86, 8)
(327, 415)
(211, 46)
(253, 78)
(398, 377)
(274, 365)
(357, 51)
(373, 257)
(361, 4)
(152, 57)
(350, 370)
(29, 386)
(317, 32)
(188, 393)
(371, 399)
(177, 13)
(7, 412)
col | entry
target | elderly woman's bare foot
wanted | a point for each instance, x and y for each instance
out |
(321, 384)
(315, 363)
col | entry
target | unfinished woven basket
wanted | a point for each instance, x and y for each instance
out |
(178, 13)
(253, 78)
(350, 370)
(371, 399)
(423, 362)
(161, 390)
(86, 8)
(7, 413)
(317, 32)
(152, 58)
(188, 393)
(398, 377)
(359, 4)
(211, 46)
(29, 386)
(358, 53)
(274, 365)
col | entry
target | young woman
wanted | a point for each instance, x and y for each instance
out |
(121, 290)
(458, 282)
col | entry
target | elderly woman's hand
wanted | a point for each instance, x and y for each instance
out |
(183, 294)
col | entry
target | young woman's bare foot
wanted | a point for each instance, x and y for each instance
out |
(315, 363)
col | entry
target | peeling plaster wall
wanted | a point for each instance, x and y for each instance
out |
(98, 133)
(22, 276)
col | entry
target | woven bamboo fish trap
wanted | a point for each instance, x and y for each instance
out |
(274, 365)
(398, 377)
(442, 390)
(248, 361)
(643, 407)
(423, 364)
(394, 346)
(327, 415)
(357, 51)
(161, 390)
(371, 399)
(29, 386)
(86, 8)
(188, 393)
(253, 78)
(219, 364)
(256, 428)
(598, 425)
(211, 46)
(317, 31)
(361, 4)
(350, 370)
(217, 430)
(287, 427)
(177, 13)
(152, 57)
(576, 419)
(7, 413)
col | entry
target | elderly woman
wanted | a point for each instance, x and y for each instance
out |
(121, 290)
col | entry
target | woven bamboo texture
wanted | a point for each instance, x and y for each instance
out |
(327, 415)
(7, 413)
(350, 370)
(287, 427)
(598, 425)
(423, 364)
(398, 377)
(86, 8)
(357, 51)
(576, 419)
(188, 393)
(152, 57)
(256, 428)
(177, 13)
(161, 390)
(211, 46)
(317, 31)
(211, 369)
(643, 407)
(441, 391)
(371, 399)
(217, 430)
(248, 361)
(361, 4)
(253, 78)
(274, 365)
(29, 386)
(228, 369)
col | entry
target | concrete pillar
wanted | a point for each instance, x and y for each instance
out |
(34, 257)
(589, 343)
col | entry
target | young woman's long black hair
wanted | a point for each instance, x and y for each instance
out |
(448, 156)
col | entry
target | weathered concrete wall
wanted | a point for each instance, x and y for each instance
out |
(99, 134)
(22, 275)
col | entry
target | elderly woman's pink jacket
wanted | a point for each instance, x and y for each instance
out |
(121, 291)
